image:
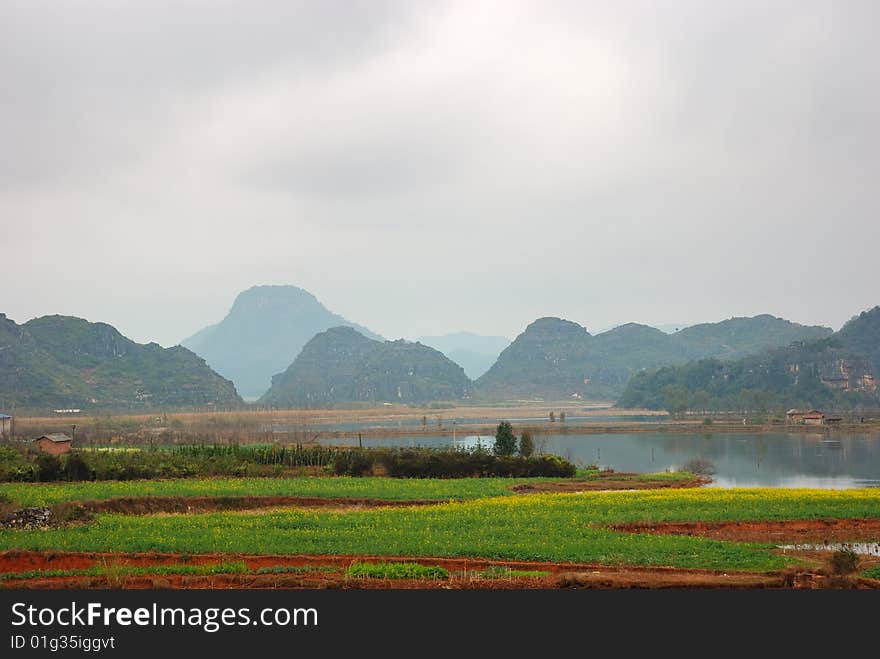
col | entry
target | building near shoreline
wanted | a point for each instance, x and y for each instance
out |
(5, 427)
(811, 418)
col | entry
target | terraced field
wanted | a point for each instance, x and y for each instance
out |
(473, 520)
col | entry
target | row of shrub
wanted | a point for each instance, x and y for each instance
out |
(25, 465)
(30, 466)
(264, 454)
(433, 463)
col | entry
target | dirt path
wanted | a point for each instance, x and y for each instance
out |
(147, 505)
(157, 504)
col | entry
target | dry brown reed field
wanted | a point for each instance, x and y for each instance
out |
(293, 426)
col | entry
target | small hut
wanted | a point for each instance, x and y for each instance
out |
(54, 443)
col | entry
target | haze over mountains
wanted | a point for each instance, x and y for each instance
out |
(263, 333)
(281, 343)
(61, 361)
(475, 353)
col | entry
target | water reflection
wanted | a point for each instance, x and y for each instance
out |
(740, 459)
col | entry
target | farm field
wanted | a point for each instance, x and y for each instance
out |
(377, 488)
(572, 537)
(390, 489)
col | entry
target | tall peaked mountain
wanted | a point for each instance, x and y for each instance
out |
(556, 358)
(263, 333)
(474, 352)
(340, 365)
(62, 361)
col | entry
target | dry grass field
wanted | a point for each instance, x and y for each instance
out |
(304, 426)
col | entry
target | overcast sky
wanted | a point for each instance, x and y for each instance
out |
(430, 167)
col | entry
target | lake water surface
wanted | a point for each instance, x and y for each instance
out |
(821, 460)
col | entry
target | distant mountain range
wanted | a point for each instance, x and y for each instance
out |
(66, 362)
(281, 345)
(838, 371)
(475, 353)
(340, 365)
(556, 358)
(264, 331)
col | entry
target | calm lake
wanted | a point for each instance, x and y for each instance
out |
(818, 460)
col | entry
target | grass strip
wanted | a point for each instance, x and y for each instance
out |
(391, 489)
(872, 573)
(129, 571)
(395, 571)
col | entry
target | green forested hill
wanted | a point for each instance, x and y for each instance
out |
(861, 335)
(738, 337)
(837, 372)
(62, 361)
(341, 365)
(556, 358)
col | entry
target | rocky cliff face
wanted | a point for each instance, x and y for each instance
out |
(821, 374)
(861, 335)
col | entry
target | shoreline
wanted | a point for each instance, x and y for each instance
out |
(547, 428)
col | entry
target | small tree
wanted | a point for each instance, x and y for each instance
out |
(526, 444)
(675, 399)
(562, 417)
(505, 440)
(552, 417)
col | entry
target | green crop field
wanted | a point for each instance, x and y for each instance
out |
(391, 489)
(549, 527)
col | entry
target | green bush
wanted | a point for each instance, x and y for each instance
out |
(76, 468)
(872, 573)
(432, 463)
(48, 467)
(15, 467)
(126, 465)
(353, 463)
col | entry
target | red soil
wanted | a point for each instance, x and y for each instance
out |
(463, 571)
(800, 531)
(151, 504)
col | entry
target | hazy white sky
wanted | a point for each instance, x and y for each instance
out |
(424, 167)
